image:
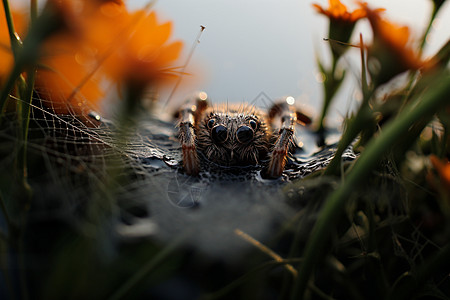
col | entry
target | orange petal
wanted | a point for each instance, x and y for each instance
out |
(319, 8)
(171, 52)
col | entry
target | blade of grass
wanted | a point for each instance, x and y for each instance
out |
(427, 104)
(354, 125)
(5, 213)
(148, 267)
(33, 10)
(14, 38)
(353, 129)
(28, 54)
(439, 261)
(191, 53)
(430, 24)
(21, 258)
(265, 249)
(248, 276)
(7, 281)
(416, 280)
(364, 84)
(8, 87)
(26, 109)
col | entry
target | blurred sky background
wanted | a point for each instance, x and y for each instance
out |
(270, 46)
(251, 47)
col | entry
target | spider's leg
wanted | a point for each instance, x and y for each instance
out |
(187, 138)
(286, 116)
(200, 107)
(189, 117)
(302, 118)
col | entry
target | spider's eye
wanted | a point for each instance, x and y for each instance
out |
(253, 124)
(244, 134)
(211, 123)
(219, 134)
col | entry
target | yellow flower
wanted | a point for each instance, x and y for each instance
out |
(391, 47)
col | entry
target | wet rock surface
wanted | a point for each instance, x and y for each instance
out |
(221, 199)
(141, 187)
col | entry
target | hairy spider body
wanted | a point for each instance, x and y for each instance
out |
(249, 149)
(237, 135)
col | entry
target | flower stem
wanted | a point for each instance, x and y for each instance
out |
(25, 122)
(353, 129)
(33, 10)
(426, 105)
(27, 55)
(331, 85)
(355, 125)
(323, 114)
(428, 29)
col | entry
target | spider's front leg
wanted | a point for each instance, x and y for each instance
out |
(286, 116)
(188, 117)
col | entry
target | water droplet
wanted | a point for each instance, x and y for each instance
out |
(202, 96)
(437, 24)
(320, 77)
(290, 100)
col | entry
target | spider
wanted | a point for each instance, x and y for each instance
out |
(237, 135)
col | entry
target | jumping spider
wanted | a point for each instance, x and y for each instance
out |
(237, 136)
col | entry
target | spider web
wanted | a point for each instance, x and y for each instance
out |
(70, 156)
(81, 174)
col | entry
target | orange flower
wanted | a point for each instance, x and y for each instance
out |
(443, 169)
(391, 47)
(130, 48)
(65, 65)
(98, 39)
(108, 25)
(342, 23)
(6, 56)
(119, 2)
(338, 12)
(145, 57)
(66, 81)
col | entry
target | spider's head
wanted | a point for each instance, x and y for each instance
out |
(233, 138)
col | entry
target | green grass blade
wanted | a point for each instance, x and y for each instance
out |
(334, 207)
(148, 267)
